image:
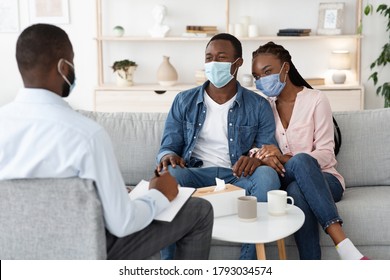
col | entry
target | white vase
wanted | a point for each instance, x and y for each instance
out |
(166, 73)
(125, 78)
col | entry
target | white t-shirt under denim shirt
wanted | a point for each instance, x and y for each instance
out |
(42, 137)
(212, 145)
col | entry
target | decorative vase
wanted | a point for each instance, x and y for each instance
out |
(166, 73)
(124, 78)
(118, 31)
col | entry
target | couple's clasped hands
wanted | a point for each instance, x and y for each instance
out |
(271, 156)
(268, 154)
(244, 166)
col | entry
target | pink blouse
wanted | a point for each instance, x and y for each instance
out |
(310, 130)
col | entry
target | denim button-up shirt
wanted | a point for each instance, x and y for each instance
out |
(250, 123)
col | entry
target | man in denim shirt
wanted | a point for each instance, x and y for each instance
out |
(211, 128)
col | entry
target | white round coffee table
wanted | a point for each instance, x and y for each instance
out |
(266, 229)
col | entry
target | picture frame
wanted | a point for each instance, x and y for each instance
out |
(330, 18)
(9, 16)
(49, 11)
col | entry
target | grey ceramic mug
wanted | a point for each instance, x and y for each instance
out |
(247, 208)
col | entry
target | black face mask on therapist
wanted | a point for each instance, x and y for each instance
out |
(66, 88)
(69, 80)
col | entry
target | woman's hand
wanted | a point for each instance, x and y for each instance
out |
(271, 156)
(269, 151)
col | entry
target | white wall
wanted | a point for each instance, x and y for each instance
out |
(82, 30)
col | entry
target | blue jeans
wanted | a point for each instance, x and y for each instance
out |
(315, 193)
(258, 184)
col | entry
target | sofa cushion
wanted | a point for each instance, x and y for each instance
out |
(136, 140)
(366, 215)
(364, 157)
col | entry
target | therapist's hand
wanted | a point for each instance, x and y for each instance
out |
(166, 184)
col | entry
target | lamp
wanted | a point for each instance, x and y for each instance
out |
(339, 61)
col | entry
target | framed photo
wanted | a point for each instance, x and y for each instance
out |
(330, 18)
(9, 16)
(49, 11)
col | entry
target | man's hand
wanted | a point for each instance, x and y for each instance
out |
(246, 165)
(170, 159)
(166, 184)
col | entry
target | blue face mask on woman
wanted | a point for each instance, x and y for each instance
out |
(271, 85)
(218, 73)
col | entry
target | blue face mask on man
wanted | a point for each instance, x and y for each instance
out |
(70, 81)
(271, 85)
(218, 73)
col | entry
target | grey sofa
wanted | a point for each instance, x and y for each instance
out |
(364, 161)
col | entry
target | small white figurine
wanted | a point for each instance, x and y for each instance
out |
(159, 29)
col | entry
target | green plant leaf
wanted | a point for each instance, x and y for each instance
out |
(374, 77)
(368, 9)
(123, 64)
(381, 8)
(378, 90)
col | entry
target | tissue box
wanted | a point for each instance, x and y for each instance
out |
(224, 202)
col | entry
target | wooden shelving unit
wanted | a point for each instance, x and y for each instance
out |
(151, 90)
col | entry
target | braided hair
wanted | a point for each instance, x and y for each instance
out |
(281, 53)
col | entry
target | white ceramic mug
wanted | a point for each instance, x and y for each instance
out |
(247, 208)
(277, 202)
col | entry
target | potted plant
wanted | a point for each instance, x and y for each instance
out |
(124, 70)
(384, 56)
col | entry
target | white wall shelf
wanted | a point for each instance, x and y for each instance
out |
(141, 48)
(206, 39)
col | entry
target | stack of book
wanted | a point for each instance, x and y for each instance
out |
(294, 32)
(200, 31)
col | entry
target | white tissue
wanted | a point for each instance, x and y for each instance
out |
(220, 185)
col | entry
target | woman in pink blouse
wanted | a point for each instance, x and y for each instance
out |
(306, 160)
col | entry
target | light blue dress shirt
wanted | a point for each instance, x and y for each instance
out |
(42, 137)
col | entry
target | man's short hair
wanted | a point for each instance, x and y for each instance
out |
(228, 37)
(41, 46)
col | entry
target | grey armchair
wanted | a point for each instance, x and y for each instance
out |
(51, 219)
